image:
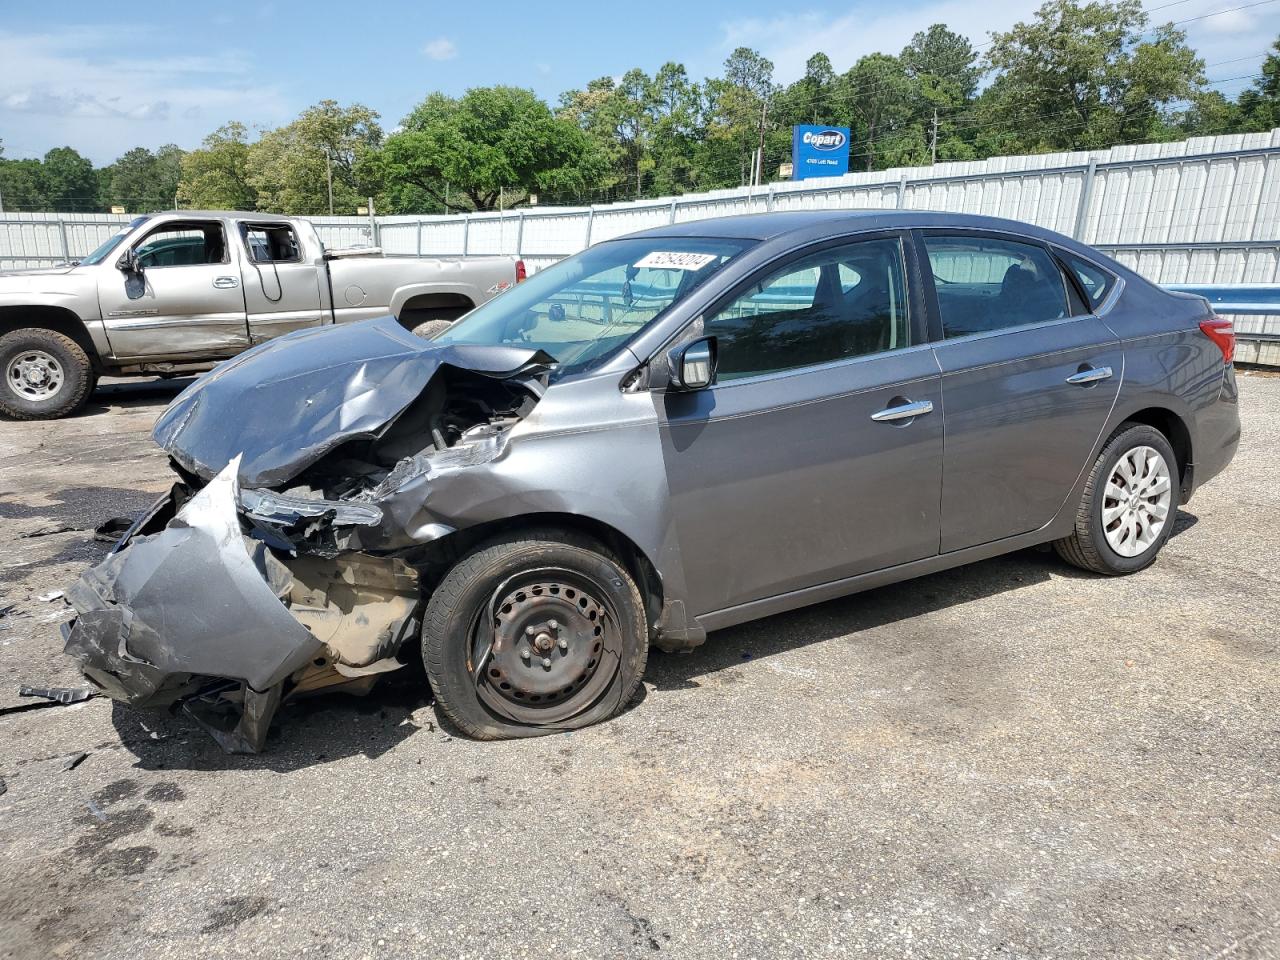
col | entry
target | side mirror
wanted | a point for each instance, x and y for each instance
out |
(129, 262)
(693, 366)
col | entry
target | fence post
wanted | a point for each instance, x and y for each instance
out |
(671, 217)
(466, 232)
(768, 203)
(66, 247)
(1086, 199)
(419, 238)
(902, 190)
(519, 233)
(591, 215)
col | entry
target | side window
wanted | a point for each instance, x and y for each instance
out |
(984, 284)
(183, 244)
(1097, 282)
(271, 243)
(846, 301)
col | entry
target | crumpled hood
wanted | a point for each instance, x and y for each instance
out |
(286, 403)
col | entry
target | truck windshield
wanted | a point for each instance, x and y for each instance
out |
(113, 241)
(584, 308)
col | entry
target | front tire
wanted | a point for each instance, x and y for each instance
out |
(1130, 500)
(44, 375)
(534, 633)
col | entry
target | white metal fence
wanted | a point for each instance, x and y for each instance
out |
(1205, 210)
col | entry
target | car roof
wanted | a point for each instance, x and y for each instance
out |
(222, 215)
(768, 226)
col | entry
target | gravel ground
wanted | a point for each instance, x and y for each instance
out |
(1011, 759)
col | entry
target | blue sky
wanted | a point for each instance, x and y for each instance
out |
(81, 74)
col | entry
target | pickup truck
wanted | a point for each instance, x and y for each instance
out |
(175, 293)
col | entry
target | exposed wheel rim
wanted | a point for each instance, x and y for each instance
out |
(547, 648)
(1136, 501)
(35, 375)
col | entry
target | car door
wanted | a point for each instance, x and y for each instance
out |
(281, 289)
(186, 300)
(1029, 377)
(817, 453)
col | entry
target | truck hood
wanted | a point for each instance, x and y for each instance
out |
(283, 405)
(38, 272)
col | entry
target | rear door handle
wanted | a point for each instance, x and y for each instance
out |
(903, 411)
(226, 283)
(1091, 375)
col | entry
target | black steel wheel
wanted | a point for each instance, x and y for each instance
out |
(529, 635)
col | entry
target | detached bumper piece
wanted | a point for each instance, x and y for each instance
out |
(198, 604)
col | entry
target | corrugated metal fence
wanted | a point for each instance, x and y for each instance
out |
(1205, 211)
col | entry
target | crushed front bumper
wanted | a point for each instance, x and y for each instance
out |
(168, 611)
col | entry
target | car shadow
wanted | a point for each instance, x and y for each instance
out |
(133, 393)
(861, 612)
(335, 726)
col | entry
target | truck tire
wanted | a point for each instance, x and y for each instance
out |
(44, 375)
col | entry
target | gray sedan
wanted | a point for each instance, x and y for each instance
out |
(670, 433)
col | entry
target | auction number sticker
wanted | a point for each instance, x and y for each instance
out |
(662, 260)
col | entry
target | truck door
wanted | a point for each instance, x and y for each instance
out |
(184, 301)
(281, 288)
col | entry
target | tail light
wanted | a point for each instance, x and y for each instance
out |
(522, 275)
(1223, 334)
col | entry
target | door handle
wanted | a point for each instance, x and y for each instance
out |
(1090, 375)
(226, 283)
(903, 411)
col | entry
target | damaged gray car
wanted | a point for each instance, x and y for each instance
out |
(670, 433)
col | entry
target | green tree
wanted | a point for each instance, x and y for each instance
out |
(216, 177)
(67, 181)
(676, 125)
(1081, 76)
(944, 55)
(882, 101)
(1259, 106)
(494, 145)
(737, 118)
(142, 181)
(289, 168)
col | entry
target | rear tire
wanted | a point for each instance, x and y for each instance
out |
(44, 375)
(1129, 504)
(557, 626)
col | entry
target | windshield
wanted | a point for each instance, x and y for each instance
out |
(584, 308)
(113, 241)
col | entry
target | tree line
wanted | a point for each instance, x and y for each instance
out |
(1076, 76)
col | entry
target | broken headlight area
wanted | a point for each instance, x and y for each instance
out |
(232, 596)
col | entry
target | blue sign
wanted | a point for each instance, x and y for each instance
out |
(819, 151)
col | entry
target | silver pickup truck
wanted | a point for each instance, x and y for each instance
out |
(174, 293)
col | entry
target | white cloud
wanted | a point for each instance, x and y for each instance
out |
(81, 87)
(441, 48)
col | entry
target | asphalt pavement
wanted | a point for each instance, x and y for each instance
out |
(1014, 759)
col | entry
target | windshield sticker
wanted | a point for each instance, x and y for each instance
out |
(662, 260)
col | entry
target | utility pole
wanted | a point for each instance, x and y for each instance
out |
(933, 140)
(328, 176)
(764, 116)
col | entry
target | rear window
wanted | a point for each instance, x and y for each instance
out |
(1097, 282)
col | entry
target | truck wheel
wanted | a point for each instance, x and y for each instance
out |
(44, 375)
(534, 633)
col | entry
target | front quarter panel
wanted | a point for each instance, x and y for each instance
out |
(587, 449)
